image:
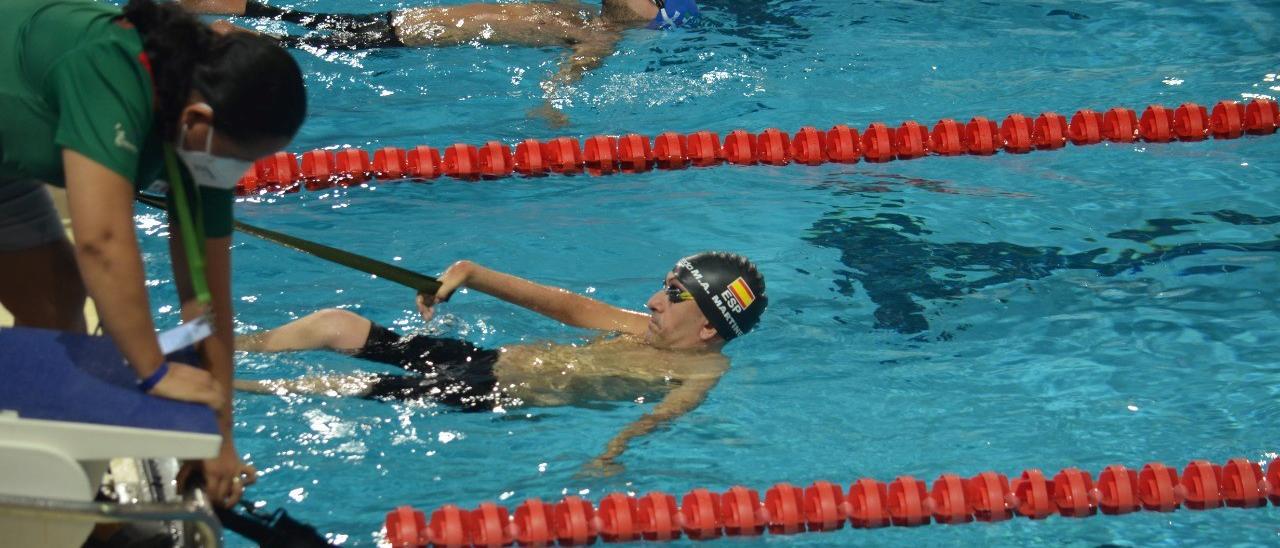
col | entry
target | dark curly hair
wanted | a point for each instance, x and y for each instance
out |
(253, 85)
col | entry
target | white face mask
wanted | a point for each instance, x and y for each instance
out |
(209, 170)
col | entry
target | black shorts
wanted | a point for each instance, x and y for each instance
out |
(451, 371)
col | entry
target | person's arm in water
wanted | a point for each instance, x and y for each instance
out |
(679, 401)
(584, 57)
(558, 304)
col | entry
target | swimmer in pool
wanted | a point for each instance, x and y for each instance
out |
(566, 23)
(672, 352)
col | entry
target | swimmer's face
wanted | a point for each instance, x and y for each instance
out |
(675, 320)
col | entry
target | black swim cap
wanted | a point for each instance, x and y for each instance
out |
(728, 289)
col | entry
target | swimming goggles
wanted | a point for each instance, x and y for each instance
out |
(675, 294)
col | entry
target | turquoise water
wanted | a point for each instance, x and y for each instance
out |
(1089, 306)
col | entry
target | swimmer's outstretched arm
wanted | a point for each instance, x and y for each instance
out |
(585, 56)
(683, 399)
(558, 304)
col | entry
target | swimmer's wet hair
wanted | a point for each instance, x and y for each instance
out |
(253, 85)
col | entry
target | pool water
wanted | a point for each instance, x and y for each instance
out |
(1115, 303)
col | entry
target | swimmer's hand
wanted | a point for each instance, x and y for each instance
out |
(186, 383)
(454, 277)
(426, 308)
(555, 117)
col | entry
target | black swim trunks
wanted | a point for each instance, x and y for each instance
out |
(451, 371)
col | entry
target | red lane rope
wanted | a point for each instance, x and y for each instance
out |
(824, 506)
(634, 153)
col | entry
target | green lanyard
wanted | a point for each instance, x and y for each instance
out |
(192, 231)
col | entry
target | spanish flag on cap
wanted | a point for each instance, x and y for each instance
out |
(742, 292)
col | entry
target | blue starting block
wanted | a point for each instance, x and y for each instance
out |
(68, 404)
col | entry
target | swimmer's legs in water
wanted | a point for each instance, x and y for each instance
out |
(346, 30)
(329, 329)
(357, 386)
(346, 22)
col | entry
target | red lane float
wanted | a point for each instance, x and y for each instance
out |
(1118, 490)
(1191, 122)
(406, 527)
(822, 506)
(988, 493)
(773, 147)
(279, 172)
(534, 523)
(1051, 131)
(619, 518)
(911, 140)
(982, 136)
(948, 500)
(1017, 132)
(462, 161)
(659, 517)
(635, 153)
(1072, 490)
(809, 146)
(422, 162)
(1156, 124)
(1227, 120)
(490, 526)
(1261, 116)
(575, 522)
(669, 151)
(868, 507)
(390, 163)
(703, 149)
(1120, 125)
(563, 155)
(352, 166)
(786, 509)
(529, 160)
(877, 143)
(907, 498)
(318, 170)
(785, 505)
(1243, 485)
(495, 160)
(740, 148)
(600, 155)
(1033, 495)
(700, 512)
(740, 512)
(947, 138)
(843, 144)
(449, 527)
(1086, 127)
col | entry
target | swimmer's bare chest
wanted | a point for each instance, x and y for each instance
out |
(532, 25)
(609, 370)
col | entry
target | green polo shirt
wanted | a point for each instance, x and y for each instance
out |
(70, 77)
